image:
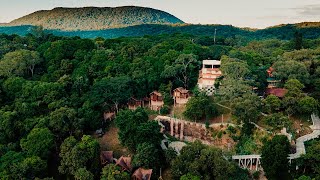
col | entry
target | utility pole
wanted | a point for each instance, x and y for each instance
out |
(160, 178)
(214, 37)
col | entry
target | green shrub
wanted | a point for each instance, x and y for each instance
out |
(231, 130)
(277, 121)
(256, 175)
(219, 134)
(165, 110)
(207, 124)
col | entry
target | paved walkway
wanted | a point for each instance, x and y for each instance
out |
(300, 148)
(315, 122)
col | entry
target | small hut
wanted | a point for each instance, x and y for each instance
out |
(134, 103)
(156, 100)
(124, 163)
(106, 157)
(180, 96)
(142, 174)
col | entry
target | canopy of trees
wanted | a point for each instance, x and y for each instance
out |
(199, 161)
(54, 91)
(274, 158)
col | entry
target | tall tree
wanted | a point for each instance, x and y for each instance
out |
(83, 174)
(274, 158)
(294, 94)
(83, 154)
(308, 105)
(14, 165)
(234, 68)
(134, 128)
(284, 70)
(113, 172)
(204, 162)
(247, 108)
(63, 121)
(272, 103)
(182, 69)
(310, 161)
(147, 156)
(38, 142)
(297, 40)
(230, 89)
(17, 63)
(115, 91)
(199, 107)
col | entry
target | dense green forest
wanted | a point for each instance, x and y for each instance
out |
(54, 90)
(226, 32)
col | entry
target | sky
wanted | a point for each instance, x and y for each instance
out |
(241, 13)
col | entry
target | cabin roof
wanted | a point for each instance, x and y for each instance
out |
(134, 99)
(279, 92)
(143, 174)
(182, 90)
(125, 163)
(156, 93)
(107, 156)
(211, 62)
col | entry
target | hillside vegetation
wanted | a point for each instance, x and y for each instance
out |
(283, 32)
(95, 18)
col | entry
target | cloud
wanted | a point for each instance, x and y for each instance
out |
(308, 10)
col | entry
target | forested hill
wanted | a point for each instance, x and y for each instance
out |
(95, 18)
(283, 32)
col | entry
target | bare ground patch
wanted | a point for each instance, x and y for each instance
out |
(110, 141)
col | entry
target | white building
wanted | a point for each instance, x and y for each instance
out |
(208, 74)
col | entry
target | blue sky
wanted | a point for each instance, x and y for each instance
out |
(242, 13)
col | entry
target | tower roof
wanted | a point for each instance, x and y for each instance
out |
(211, 62)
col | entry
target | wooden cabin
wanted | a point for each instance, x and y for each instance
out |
(124, 163)
(134, 103)
(106, 157)
(181, 96)
(156, 101)
(142, 174)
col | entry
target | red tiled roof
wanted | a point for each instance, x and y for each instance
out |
(279, 92)
(270, 71)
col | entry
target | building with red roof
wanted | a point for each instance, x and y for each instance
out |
(279, 92)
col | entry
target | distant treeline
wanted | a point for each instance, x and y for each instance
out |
(284, 32)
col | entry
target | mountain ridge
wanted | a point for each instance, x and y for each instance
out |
(95, 18)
